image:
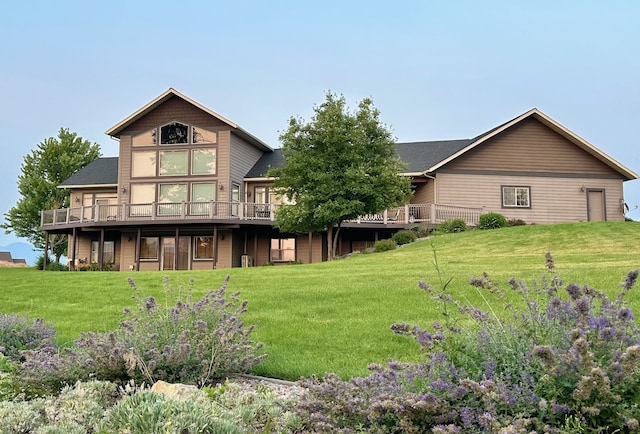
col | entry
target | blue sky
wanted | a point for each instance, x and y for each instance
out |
(435, 69)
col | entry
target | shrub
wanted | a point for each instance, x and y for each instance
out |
(384, 245)
(566, 363)
(452, 226)
(404, 237)
(195, 341)
(492, 220)
(18, 333)
(421, 231)
(516, 222)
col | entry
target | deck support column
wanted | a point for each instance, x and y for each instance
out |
(215, 246)
(46, 251)
(137, 252)
(101, 250)
(310, 247)
(72, 263)
(176, 248)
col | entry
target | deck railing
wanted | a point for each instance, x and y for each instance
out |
(243, 211)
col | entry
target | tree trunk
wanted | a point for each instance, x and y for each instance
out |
(335, 240)
(330, 243)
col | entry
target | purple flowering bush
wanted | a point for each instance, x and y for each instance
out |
(18, 333)
(187, 341)
(569, 361)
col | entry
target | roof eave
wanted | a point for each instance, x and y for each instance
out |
(87, 186)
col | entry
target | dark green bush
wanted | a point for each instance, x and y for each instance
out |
(492, 220)
(452, 226)
(404, 237)
(384, 245)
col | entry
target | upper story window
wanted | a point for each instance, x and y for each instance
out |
(516, 197)
(174, 133)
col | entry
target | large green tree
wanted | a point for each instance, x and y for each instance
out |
(338, 166)
(53, 161)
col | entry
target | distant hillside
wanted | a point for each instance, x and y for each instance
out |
(22, 251)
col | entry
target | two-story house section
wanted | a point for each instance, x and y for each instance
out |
(190, 190)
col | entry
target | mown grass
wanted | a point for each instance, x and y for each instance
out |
(335, 317)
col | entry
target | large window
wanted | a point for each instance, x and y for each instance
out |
(173, 163)
(174, 133)
(283, 249)
(203, 136)
(149, 248)
(202, 247)
(142, 195)
(143, 163)
(202, 193)
(174, 194)
(203, 161)
(516, 196)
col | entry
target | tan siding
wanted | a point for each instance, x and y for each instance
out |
(424, 193)
(242, 158)
(302, 248)
(124, 168)
(150, 266)
(224, 250)
(201, 265)
(175, 109)
(223, 158)
(128, 250)
(552, 199)
(532, 147)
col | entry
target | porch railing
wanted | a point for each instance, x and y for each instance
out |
(243, 211)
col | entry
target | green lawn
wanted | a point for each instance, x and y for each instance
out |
(335, 317)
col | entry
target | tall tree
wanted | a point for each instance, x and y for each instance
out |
(339, 166)
(53, 161)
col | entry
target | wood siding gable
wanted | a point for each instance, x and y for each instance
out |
(530, 147)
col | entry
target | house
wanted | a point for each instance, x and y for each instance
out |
(7, 259)
(189, 190)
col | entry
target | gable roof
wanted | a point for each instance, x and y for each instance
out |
(423, 158)
(101, 172)
(553, 125)
(115, 130)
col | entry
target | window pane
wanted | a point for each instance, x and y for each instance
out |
(143, 193)
(108, 253)
(149, 248)
(143, 163)
(173, 193)
(173, 163)
(203, 247)
(145, 139)
(509, 196)
(203, 191)
(523, 197)
(174, 133)
(260, 195)
(203, 162)
(201, 135)
(283, 249)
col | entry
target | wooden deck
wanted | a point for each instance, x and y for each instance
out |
(157, 212)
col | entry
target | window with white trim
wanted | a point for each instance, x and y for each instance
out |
(516, 196)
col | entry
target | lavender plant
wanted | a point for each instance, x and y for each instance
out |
(18, 333)
(188, 341)
(569, 361)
